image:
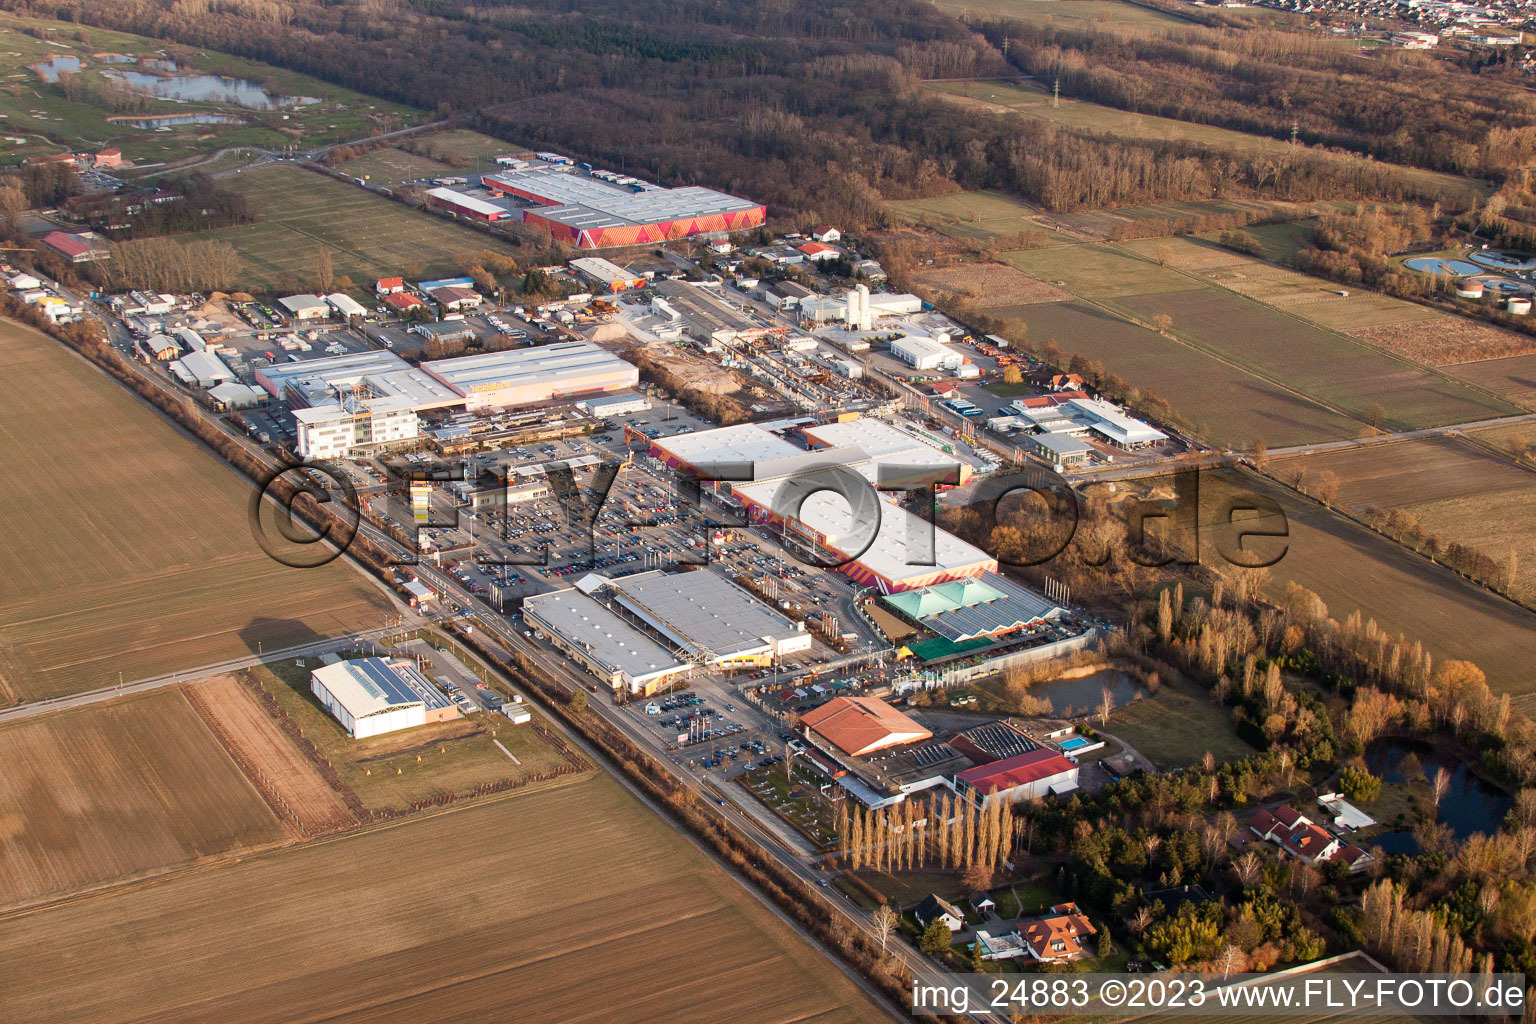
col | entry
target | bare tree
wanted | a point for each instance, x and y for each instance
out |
(1439, 784)
(1247, 868)
(1106, 705)
(1230, 959)
(885, 922)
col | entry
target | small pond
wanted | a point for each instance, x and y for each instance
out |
(1070, 697)
(1470, 805)
(208, 89)
(176, 119)
(50, 69)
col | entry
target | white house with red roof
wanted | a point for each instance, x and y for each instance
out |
(1296, 834)
(818, 251)
(1058, 936)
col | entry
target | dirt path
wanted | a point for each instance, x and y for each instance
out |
(290, 785)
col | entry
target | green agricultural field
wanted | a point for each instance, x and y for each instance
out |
(392, 166)
(1160, 218)
(368, 236)
(1281, 242)
(462, 148)
(1338, 371)
(1311, 298)
(132, 555)
(45, 116)
(1352, 568)
(1223, 403)
(976, 215)
(1100, 272)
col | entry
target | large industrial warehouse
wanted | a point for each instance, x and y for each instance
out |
(708, 618)
(602, 643)
(591, 213)
(376, 373)
(372, 696)
(825, 524)
(884, 443)
(531, 375)
(826, 528)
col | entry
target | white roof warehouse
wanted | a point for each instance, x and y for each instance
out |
(532, 375)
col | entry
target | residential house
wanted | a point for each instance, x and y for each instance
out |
(826, 233)
(935, 907)
(1296, 834)
(1058, 936)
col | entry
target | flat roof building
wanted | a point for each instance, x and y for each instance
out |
(372, 696)
(1114, 425)
(613, 405)
(532, 375)
(378, 373)
(462, 205)
(601, 642)
(591, 213)
(609, 276)
(885, 443)
(305, 307)
(339, 429)
(1061, 449)
(860, 726)
(925, 353)
(828, 529)
(709, 619)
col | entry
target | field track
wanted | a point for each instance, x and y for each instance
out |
(287, 782)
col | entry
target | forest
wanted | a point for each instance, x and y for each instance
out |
(1394, 105)
(819, 110)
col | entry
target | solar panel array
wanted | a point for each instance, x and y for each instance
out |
(935, 753)
(1001, 740)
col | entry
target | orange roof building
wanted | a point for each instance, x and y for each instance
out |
(818, 251)
(859, 726)
(1059, 935)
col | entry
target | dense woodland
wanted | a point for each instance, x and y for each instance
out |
(1395, 105)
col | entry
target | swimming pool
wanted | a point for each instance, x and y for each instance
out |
(1073, 743)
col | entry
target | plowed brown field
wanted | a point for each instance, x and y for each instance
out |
(118, 789)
